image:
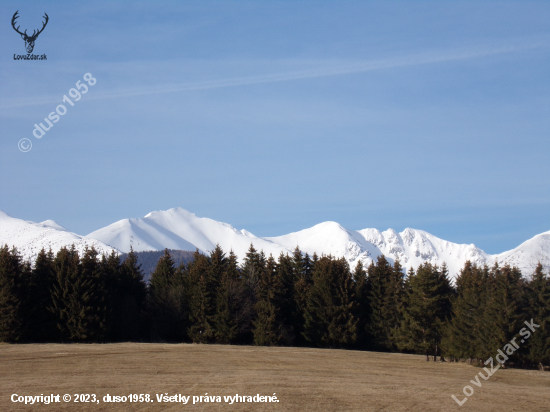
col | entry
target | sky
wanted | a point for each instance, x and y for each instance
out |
(274, 116)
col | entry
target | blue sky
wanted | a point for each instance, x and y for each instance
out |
(277, 115)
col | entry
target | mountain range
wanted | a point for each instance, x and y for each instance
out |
(179, 229)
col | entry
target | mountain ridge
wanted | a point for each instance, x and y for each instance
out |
(179, 229)
(31, 237)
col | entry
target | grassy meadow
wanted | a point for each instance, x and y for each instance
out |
(303, 379)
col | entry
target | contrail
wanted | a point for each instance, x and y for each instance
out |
(361, 67)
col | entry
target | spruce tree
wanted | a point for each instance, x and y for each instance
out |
(252, 269)
(41, 325)
(329, 315)
(393, 304)
(11, 321)
(463, 331)
(129, 299)
(228, 301)
(94, 296)
(109, 272)
(67, 269)
(293, 289)
(267, 326)
(362, 307)
(379, 278)
(425, 312)
(166, 301)
(504, 309)
(207, 274)
(78, 294)
(539, 310)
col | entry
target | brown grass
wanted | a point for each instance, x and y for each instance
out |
(303, 379)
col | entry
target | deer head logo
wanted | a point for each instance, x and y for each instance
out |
(29, 40)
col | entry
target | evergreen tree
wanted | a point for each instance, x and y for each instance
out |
(228, 301)
(93, 297)
(463, 331)
(267, 326)
(288, 314)
(41, 325)
(166, 301)
(379, 278)
(362, 307)
(329, 315)
(539, 304)
(393, 303)
(11, 271)
(109, 273)
(426, 311)
(504, 309)
(253, 266)
(78, 296)
(207, 274)
(297, 286)
(128, 298)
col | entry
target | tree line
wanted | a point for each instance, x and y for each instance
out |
(294, 300)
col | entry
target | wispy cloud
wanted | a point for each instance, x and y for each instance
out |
(426, 58)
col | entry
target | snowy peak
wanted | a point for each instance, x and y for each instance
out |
(180, 229)
(527, 255)
(328, 238)
(53, 225)
(413, 247)
(30, 238)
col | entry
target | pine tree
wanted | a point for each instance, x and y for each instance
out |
(362, 307)
(200, 329)
(378, 281)
(539, 304)
(267, 326)
(78, 293)
(329, 316)
(207, 274)
(128, 296)
(93, 297)
(228, 300)
(504, 309)
(292, 288)
(253, 266)
(463, 331)
(66, 266)
(41, 325)
(425, 312)
(11, 270)
(166, 301)
(393, 304)
(109, 273)
(297, 285)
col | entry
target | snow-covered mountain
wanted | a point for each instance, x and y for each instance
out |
(412, 247)
(30, 237)
(179, 229)
(527, 255)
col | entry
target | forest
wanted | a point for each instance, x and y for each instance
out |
(294, 300)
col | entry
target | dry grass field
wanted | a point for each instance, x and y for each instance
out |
(303, 379)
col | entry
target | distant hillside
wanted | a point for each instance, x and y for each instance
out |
(148, 260)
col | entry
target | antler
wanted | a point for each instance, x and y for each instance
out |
(15, 16)
(44, 25)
